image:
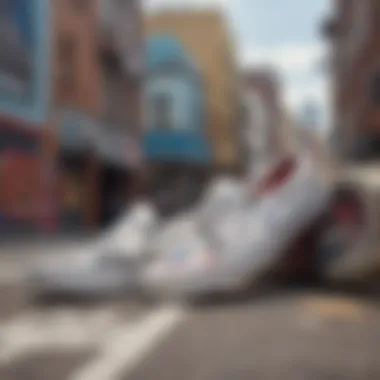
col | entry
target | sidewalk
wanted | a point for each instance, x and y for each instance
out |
(23, 244)
(18, 255)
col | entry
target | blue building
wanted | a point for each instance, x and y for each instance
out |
(175, 140)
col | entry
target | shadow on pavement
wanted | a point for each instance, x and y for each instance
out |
(275, 290)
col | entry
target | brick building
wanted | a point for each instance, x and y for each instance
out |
(353, 31)
(77, 73)
(76, 99)
(97, 81)
(69, 111)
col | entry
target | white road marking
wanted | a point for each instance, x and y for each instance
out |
(60, 329)
(125, 350)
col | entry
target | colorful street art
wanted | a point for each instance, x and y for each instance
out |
(20, 186)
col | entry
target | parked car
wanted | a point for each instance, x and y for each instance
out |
(348, 245)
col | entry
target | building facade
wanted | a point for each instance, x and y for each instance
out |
(68, 146)
(76, 107)
(98, 76)
(289, 132)
(25, 61)
(205, 36)
(352, 32)
(264, 115)
(176, 144)
(123, 66)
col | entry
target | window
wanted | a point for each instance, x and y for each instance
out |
(359, 30)
(162, 111)
(66, 64)
(121, 3)
(81, 5)
(66, 47)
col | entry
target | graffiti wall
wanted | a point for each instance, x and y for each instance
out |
(20, 179)
(19, 185)
(25, 59)
(24, 104)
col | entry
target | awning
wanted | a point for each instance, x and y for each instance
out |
(178, 146)
(79, 133)
(117, 147)
(73, 131)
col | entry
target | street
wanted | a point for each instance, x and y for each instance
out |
(179, 147)
(295, 336)
(77, 341)
(279, 334)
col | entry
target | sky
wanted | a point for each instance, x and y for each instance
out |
(284, 34)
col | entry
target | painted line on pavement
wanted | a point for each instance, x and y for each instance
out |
(129, 346)
(36, 330)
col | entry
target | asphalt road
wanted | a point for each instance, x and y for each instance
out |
(293, 334)
(277, 334)
(63, 340)
(284, 335)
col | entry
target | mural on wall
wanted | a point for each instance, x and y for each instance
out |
(19, 178)
(24, 59)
